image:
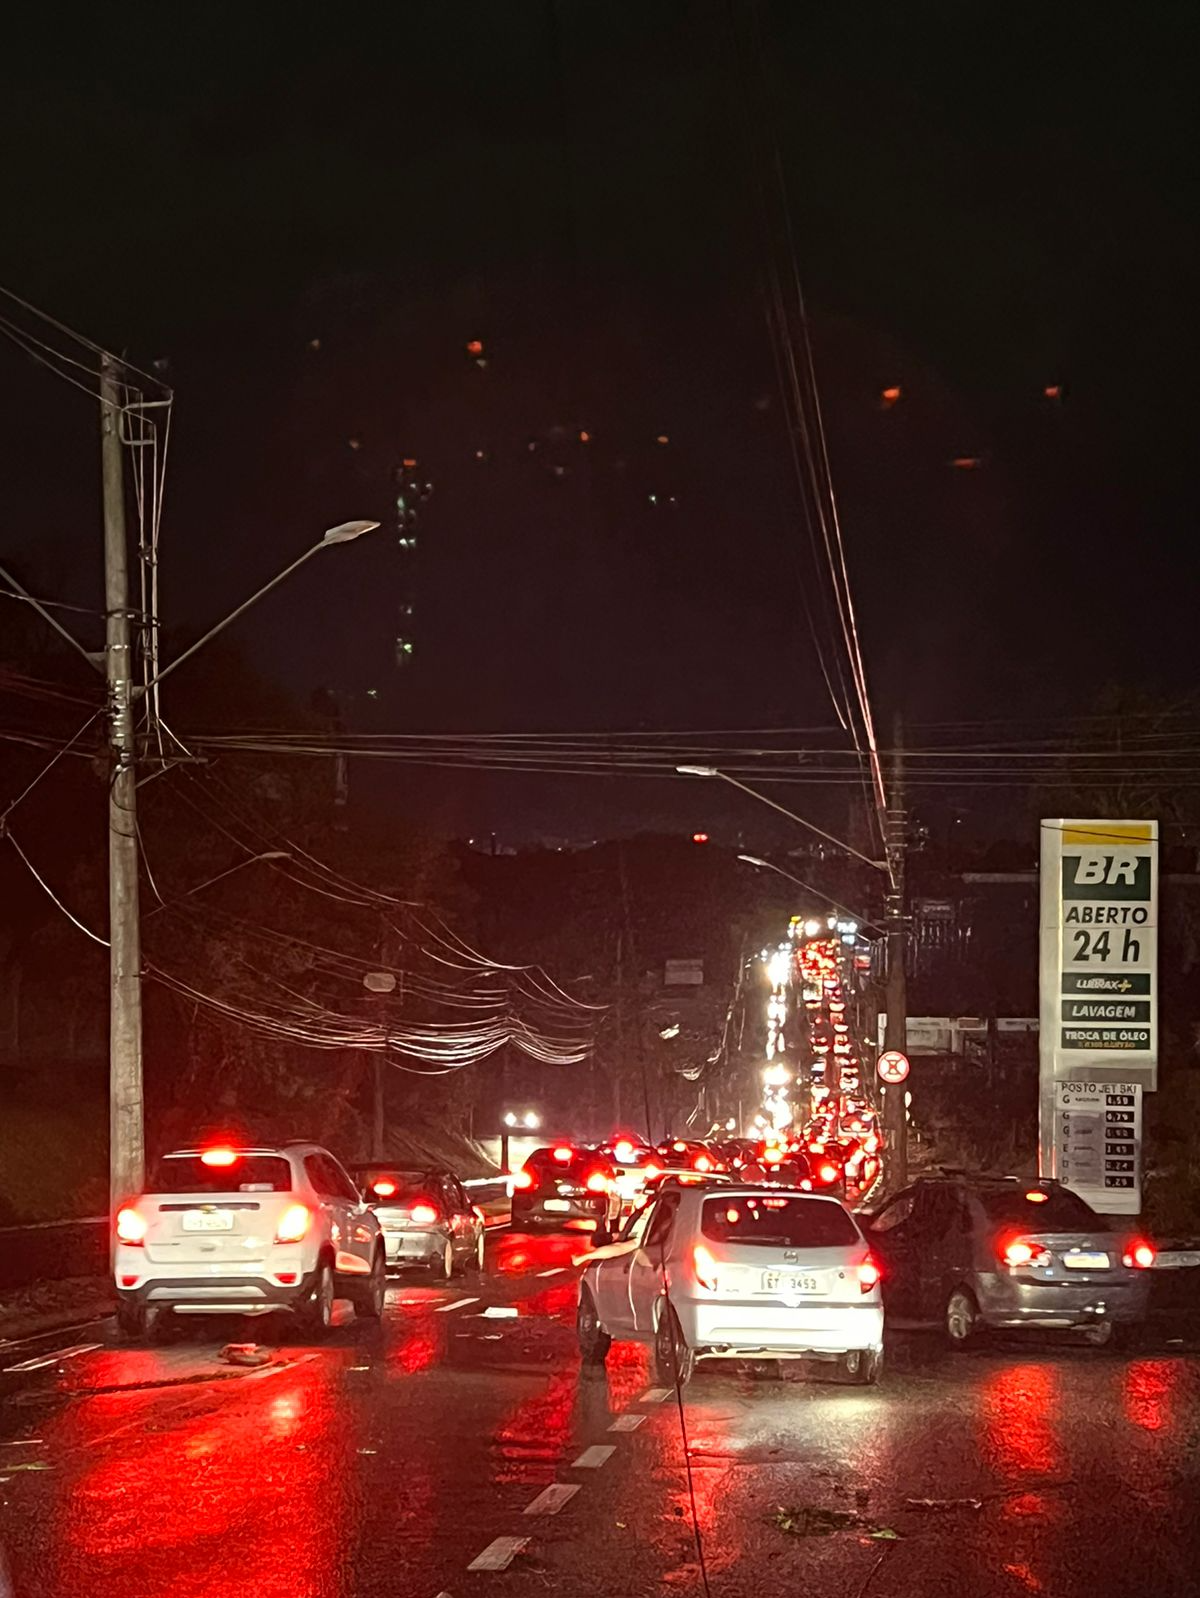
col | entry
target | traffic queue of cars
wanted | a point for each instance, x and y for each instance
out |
(247, 1230)
(750, 1249)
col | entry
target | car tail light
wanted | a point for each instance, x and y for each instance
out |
(219, 1157)
(129, 1281)
(624, 1151)
(805, 1184)
(293, 1224)
(286, 1278)
(131, 1227)
(1020, 1251)
(705, 1267)
(424, 1214)
(1139, 1255)
(563, 1155)
(702, 1162)
(597, 1182)
(524, 1180)
(869, 1275)
(384, 1189)
(828, 1173)
(650, 1172)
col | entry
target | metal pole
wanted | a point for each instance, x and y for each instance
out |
(126, 1104)
(378, 1139)
(896, 1031)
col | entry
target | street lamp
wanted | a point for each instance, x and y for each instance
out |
(734, 782)
(343, 533)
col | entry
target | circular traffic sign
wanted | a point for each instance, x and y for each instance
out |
(892, 1066)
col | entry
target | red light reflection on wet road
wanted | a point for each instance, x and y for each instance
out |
(1148, 1392)
(1019, 1407)
(213, 1494)
(537, 1431)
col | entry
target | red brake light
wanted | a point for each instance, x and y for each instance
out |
(705, 1266)
(524, 1180)
(424, 1214)
(1139, 1255)
(828, 1173)
(1019, 1251)
(624, 1151)
(563, 1154)
(384, 1189)
(219, 1157)
(293, 1224)
(597, 1182)
(651, 1171)
(131, 1227)
(868, 1274)
(702, 1162)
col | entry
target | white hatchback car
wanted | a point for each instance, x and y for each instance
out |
(221, 1231)
(736, 1272)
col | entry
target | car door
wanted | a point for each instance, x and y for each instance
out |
(891, 1237)
(942, 1243)
(609, 1278)
(463, 1220)
(357, 1227)
(647, 1265)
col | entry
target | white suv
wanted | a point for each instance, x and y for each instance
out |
(734, 1272)
(229, 1230)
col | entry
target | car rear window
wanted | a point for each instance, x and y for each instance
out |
(581, 1164)
(775, 1220)
(378, 1182)
(248, 1173)
(1060, 1210)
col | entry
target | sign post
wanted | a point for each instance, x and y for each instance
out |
(1099, 998)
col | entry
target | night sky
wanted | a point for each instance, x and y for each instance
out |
(310, 213)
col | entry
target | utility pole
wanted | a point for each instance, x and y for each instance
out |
(126, 1121)
(896, 1031)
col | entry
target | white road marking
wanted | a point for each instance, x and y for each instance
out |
(551, 1499)
(444, 1309)
(557, 1270)
(499, 1555)
(626, 1423)
(52, 1359)
(592, 1458)
(655, 1395)
(20, 1442)
(500, 1312)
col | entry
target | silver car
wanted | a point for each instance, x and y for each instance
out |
(732, 1271)
(968, 1253)
(426, 1217)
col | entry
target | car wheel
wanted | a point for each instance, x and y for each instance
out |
(1099, 1336)
(674, 1361)
(962, 1318)
(133, 1321)
(441, 1266)
(368, 1297)
(316, 1317)
(863, 1366)
(594, 1341)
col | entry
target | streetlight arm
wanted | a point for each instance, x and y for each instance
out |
(769, 865)
(336, 535)
(712, 771)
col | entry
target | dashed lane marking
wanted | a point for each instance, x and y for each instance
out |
(555, 1270)
(592, 1458)
(444, 1309)
(626, 1423)
(498, 1555)
(655, 1395)
(43, 1360)
(551, 1499)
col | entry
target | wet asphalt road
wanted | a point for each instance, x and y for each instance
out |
(384, 1462)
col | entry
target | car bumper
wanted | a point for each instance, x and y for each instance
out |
(1006, 1301)
(227, 1295)
(745, 1326)
(414, 1247)
(579, 1208)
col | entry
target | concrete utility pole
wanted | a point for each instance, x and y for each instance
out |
(126, 1121)
(896, 1031)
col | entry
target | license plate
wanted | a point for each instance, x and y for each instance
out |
(777, 1282)
(208, 1221)
(1086, 1262)
(559, 1206)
